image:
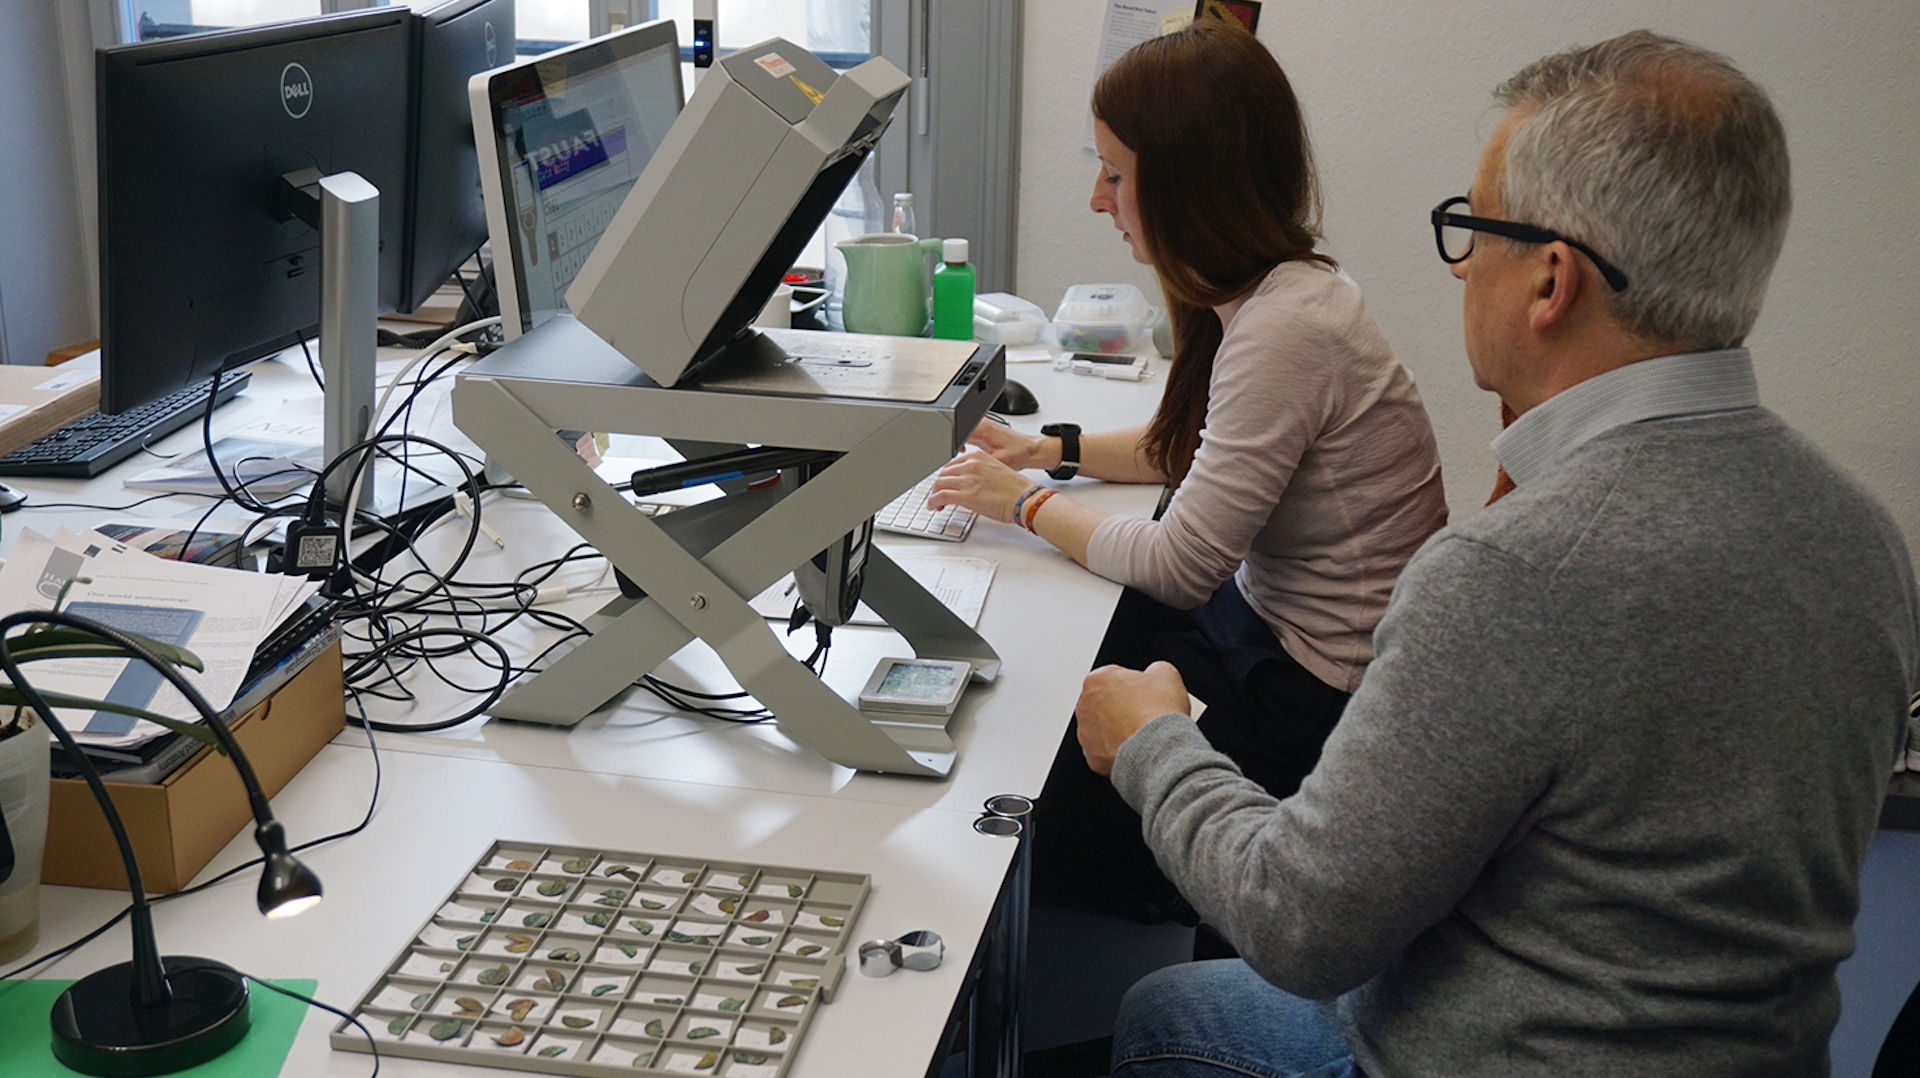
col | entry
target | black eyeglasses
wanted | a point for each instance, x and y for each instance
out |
(1453, 234)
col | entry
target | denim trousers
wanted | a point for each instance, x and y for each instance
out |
(1220, 1019)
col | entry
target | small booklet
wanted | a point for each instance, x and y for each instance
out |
(176, 544)
(269, 457)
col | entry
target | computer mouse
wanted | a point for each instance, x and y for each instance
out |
(11, 498)
(1016, 399)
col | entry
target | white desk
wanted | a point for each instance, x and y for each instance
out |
(634, 776)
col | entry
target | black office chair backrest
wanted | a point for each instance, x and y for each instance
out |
(1900, 1052)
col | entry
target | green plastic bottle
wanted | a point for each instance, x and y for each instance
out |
(953, 293)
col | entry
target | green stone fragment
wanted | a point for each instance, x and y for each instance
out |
(603, 989)
(756, 941)
(690, 876)
(678, 937)
(749, 1058)
(656, 1028)
(652, 904)
(707, 1062)
(494, 975)
(628, 949)
(552, 887)
(420, 1001)
(699, 1032)
(398, 1024)
(556, 980)
(790, 1001)
(574, 1021)
(505, 884)
(776, 1035)
(794, 890)
(670, 1000)
(731, 1004)
(520, 1008)
(754, 970)
(537, 920)
(806, 949)
(644, 1059)
(468, 1005)
(598, 918)
(614, 870)
(695, 968)
(577, 864)
(564, 954)
(553, 1050)
(745, 878)
(728, 905)
(833, 922)
(611, 898)
(486, 916)
(807, 982)
(463, 942)
(447, 1030)
(644, 927)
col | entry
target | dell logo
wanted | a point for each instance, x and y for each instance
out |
(493, 48)
(296, 90)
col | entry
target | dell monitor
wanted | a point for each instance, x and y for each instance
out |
(742, 182)
(562, 137)
(205, 260)
(445, 217)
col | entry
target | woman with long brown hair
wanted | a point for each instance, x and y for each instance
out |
(1301, 461)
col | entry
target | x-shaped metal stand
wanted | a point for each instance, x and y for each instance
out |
(699, 566)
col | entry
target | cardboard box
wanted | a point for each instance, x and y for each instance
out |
(178, 824)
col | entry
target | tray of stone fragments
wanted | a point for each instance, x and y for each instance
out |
(568, 960)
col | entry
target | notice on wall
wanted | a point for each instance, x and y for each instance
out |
(1127, 23)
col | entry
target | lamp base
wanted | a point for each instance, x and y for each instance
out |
(97, 1029)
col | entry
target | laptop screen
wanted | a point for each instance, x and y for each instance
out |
(570, 132)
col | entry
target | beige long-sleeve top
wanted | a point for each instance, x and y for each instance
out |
(1316, 479)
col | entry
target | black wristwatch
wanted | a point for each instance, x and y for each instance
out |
(1069, 435)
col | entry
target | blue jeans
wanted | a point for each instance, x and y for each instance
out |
(1215, 1019)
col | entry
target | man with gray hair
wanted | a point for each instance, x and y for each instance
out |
(1600, 803)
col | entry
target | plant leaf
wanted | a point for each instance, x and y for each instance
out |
(53, 643)
(198, 731)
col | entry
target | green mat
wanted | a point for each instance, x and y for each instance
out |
(26, 1039)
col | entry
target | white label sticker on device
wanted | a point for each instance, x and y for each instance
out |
(776, 66)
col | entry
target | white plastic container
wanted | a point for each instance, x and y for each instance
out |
(1004, 318)
(1107, 319)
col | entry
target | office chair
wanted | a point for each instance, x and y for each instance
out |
(1900, 1052)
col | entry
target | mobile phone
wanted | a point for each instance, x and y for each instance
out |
(1103, 365)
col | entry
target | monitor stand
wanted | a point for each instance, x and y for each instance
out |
(346, 211)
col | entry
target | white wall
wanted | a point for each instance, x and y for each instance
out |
(1398, 98)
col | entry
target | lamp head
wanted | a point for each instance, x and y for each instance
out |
(287, 887)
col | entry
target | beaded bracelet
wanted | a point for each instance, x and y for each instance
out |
(1034, 509)
(1022, 500)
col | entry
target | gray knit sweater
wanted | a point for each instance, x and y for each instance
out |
(1600, 803)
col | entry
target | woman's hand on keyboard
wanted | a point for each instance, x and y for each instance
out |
(1012, 448)
(981, 483)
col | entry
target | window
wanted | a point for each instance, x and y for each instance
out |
(952, 142)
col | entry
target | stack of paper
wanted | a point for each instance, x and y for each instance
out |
(219, 614)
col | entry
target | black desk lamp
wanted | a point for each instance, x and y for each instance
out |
(155, 1015)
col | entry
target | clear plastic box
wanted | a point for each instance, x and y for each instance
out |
(1111, 319)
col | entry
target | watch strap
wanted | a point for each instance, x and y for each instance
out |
(1069, 435)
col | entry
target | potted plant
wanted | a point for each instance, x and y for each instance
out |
(25, 752)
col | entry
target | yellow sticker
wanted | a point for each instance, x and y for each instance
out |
(813, 95)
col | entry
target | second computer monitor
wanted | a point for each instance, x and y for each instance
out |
(562, 138)
(446, 218)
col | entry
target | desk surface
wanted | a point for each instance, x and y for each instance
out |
(635, 776)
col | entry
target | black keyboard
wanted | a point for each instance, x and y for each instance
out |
(93, 443)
